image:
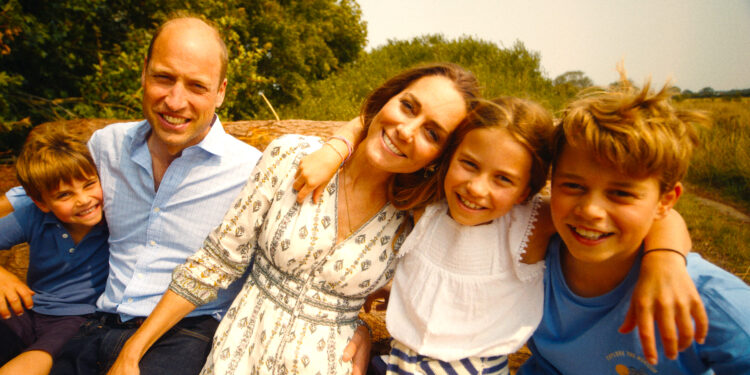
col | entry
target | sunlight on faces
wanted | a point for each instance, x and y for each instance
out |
(487, 175)
(77, 204)
(413, 127)
(600, 213)
(181, 87)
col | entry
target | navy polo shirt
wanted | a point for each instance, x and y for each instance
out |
(67, 278)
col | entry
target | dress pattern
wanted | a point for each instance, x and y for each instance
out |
(299, 306)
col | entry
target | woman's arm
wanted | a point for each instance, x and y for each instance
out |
(316, 169)
(168, 312)
(665, 292)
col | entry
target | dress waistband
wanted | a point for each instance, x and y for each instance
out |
(302, 298)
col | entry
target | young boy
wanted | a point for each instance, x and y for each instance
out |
(618, 157)
(68, 251)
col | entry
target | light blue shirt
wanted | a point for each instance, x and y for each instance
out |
(153, 232)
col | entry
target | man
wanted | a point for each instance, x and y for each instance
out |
(167, 181)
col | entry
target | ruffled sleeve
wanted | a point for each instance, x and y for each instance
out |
(523, 218)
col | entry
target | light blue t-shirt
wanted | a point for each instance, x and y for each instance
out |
(579, 335)
(66, 277)
(153, 232)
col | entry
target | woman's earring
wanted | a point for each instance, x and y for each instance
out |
(430, 170)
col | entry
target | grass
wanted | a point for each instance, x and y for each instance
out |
(720, 238)
(721, 165)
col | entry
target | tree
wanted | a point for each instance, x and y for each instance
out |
(83, 58)
(570, 83)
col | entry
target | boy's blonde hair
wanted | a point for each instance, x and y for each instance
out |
(527, 121)
(636, 131)
(50, 156)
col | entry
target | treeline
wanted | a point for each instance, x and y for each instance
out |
(708, 92)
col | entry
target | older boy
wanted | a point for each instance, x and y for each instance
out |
(62, 222)
(618, 158)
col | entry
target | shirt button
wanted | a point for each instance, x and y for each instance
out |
(72, 250)
(152, 242)
(140, 275)
(156, 209)
(130, 300)
(65, 235)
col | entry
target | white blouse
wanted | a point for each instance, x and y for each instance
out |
(462, 291)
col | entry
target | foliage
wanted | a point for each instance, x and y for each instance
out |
(502, 71)
(83, 58)
(570, 83)
(722, 162)
(721, 238)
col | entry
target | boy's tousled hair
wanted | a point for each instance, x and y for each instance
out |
(50, 156)
(409, 189)
(527, 121)
(636, 131)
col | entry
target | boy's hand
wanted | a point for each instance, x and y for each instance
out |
(665, 293)
(315, 170)
(15, 292)
(358, 351)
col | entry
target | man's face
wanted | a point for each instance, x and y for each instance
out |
(181, 87)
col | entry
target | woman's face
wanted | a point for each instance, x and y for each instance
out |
(413, 127)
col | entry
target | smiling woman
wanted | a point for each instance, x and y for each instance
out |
(314, 262)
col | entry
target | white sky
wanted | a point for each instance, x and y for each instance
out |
(696, 43)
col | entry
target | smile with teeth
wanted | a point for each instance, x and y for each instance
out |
(389, 144)
(468, 203)
(88, 210)
(589, 234)
(174, 120)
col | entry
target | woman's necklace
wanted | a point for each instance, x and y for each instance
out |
(350, 229)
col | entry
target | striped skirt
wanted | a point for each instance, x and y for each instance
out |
(403, 360)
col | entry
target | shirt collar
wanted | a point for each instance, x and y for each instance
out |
(213, 143)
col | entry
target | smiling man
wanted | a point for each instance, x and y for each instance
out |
(167, 181)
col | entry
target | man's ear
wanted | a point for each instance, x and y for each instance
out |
(220, 94)
(41, 205)
(668, 200)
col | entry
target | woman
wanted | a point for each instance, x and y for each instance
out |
(314, 263)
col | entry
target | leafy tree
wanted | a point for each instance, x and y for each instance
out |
(502, 71)
(83, 58)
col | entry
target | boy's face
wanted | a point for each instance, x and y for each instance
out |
(78, 204)
(600, 213)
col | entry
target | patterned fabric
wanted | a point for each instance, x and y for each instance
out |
(152, 232)
(298, 309)
(403, 360)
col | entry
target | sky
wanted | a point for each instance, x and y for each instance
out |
(694, 43)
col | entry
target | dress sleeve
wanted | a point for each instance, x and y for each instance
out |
(228, 249)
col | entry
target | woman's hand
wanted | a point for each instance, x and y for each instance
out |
(15, 292)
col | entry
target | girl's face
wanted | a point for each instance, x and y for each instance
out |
(413, 127)
(487, 175)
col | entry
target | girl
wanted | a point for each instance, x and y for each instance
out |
(475, 252)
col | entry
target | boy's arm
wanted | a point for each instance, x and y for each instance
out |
(316, 169)
(665, 292)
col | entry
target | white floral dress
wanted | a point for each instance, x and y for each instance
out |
(299, 306)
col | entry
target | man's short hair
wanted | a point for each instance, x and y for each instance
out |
(51, 156)
(224, 55)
